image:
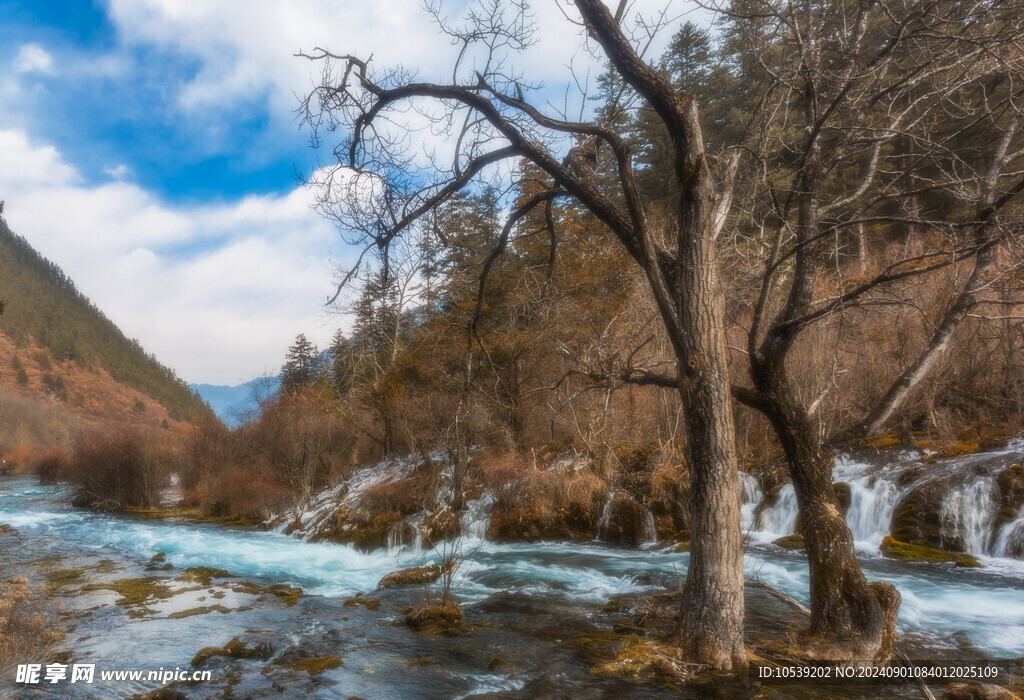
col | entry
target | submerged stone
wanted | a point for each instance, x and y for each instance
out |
(316, 666)
(368, 603)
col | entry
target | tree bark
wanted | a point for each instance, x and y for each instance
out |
(850, 618)
(692, 306)
(711, 617)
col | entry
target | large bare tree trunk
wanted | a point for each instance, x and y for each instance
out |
(711, 617)
(691, 302)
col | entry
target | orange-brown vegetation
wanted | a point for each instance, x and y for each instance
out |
(531, 503)
(29, 625)
(122, 469)
(88, 394)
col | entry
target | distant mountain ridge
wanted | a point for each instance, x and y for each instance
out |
(42, 309)
(233, 403)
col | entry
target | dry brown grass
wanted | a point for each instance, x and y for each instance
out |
(247, 493)
(29, 625)
(532, 503)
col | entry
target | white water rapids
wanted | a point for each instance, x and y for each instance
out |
(939, 602)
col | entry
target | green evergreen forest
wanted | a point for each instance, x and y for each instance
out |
(41, 302)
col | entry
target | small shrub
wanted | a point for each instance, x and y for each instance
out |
(51, 467)
(118, 470)
(242, 493)
(22, 376)
(42, 358)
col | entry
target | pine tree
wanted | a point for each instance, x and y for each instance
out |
(344, 363)
(302, 365)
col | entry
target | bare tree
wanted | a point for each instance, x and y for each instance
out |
(378, 190)
(898, 120)
(902, 118)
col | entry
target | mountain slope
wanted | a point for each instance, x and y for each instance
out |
(43, 310)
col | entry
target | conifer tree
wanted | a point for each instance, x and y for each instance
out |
(301, 367)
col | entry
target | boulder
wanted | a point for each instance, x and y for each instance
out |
(917, 518)
(416, 575)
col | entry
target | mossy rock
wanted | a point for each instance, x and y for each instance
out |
(134, 591)
(1010, 483)
(895, 549)
(882, 442)
(368, 603)
(793, 542)
(235, 649)
(936, 449)
(413, 576)
(645, 661)
(917, 518)
(63, 577)
(316, 666)
(289, 595)
(204, 574)
(626, 521)
(158, 557)
(496, 662)
(974, 690)
(6, 529)
(435, 618)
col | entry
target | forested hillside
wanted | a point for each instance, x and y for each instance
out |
(42, 307)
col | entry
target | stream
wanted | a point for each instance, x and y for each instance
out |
(533, 610)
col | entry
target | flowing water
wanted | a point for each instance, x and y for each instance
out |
(527, 601)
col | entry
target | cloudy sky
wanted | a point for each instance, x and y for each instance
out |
(149, 148)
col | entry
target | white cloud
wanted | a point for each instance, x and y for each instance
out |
(247, 49)
(33, 58)
(118, 172)
(216, 291)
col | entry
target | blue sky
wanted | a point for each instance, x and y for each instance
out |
(149, 147)
(125, 113)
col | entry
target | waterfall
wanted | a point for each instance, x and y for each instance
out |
(750, 496)
(872, 502)
(650, 531)
(1010, 540)
(476, 518)
(606, 517)
(968, 512)
(404, 535)
(780, 517)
